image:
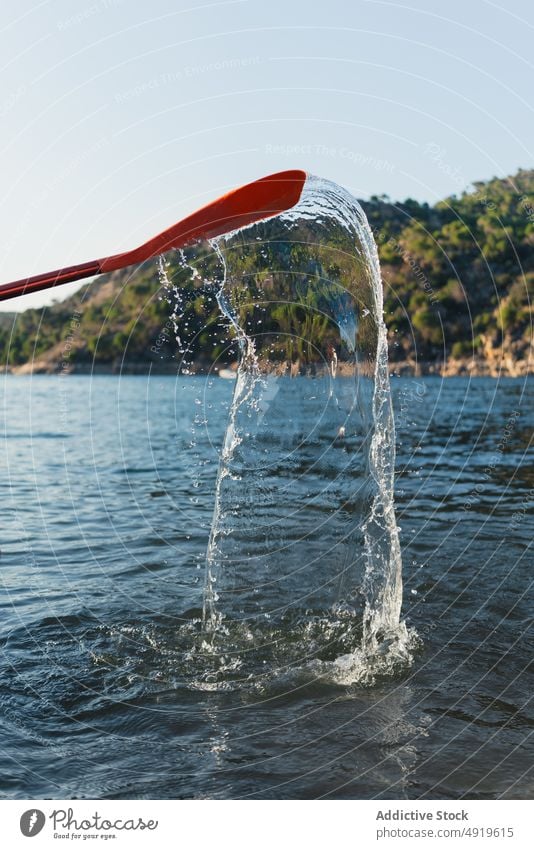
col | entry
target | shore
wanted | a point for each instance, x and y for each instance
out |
(467, 367)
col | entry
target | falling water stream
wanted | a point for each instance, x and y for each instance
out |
(303, 563)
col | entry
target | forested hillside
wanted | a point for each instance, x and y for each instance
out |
(458, 284)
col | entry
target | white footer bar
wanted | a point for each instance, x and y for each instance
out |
(268, 824)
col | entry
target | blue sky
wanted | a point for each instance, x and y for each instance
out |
(119, 116)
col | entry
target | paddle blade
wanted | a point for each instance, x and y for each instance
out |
(262, 199)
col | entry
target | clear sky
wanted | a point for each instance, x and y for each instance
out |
(120, 116)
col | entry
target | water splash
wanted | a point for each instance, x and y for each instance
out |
(304, 537)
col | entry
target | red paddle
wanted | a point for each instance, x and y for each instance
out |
(262, 199)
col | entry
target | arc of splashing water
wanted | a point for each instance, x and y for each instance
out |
(382, 579)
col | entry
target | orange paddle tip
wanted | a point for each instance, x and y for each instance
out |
(240, 207)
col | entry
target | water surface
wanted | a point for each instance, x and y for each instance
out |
(108, 488)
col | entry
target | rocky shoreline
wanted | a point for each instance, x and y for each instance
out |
(496, 367)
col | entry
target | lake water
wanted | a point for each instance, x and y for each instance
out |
(108, 494)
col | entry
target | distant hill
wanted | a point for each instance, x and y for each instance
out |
(459, 276)
(458, 284)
